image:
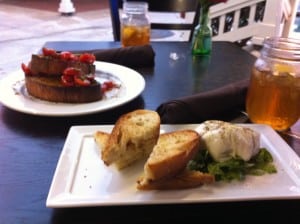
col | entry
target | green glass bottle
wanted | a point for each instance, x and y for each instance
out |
(202, 37)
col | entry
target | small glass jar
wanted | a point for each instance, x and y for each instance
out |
(135, 25)
(274, 92)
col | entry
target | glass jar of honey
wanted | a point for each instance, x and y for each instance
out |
(135, 25)
(273, 96)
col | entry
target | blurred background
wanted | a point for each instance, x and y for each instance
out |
(25, 25)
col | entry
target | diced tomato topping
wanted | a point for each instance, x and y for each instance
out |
(67, 80)
(25, 69)
(81, 81)
(108, 85)
(70, 71)
(66, 55)
(87, 58)
(74, 77)
(49, 52)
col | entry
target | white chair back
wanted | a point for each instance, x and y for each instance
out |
(238, 20)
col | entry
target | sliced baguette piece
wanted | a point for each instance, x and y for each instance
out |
(170, 156)
(184, 180)
(132, 138)
(101, 139)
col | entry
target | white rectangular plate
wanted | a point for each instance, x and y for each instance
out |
(82, 179)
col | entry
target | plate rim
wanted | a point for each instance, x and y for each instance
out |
(65, 199)
(6, 84)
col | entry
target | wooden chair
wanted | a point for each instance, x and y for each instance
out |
(160, 6)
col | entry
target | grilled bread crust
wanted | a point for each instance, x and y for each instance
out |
(50, 88)
(183, 180)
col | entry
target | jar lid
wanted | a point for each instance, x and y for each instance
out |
(280, 47)
(133, 7)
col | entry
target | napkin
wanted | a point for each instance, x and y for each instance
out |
(133, 56)
(223, 103)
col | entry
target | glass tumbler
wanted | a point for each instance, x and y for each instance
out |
(273, 96)
(135, 25)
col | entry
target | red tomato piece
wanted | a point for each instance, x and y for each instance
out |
(49, 52)
(66, 55)
(108, 85)
(67, 80)
(87, 58)
(73, 76)
(70, 71)
(81, 81)
(26, 69)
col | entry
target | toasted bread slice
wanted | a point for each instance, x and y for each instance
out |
(132, 138)
(54, 66)
(170, 156)
(101, 138)
(50, 88)
(184, 180)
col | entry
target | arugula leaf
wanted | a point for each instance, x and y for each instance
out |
(263, 163)
(234, 168)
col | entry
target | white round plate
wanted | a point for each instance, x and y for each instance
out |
(14, 95)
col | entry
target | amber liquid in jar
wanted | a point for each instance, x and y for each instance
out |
(135, 35)
(135, 25)
(273, 99)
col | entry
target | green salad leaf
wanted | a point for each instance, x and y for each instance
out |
(234, 168)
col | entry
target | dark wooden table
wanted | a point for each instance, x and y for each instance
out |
(31, 145)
